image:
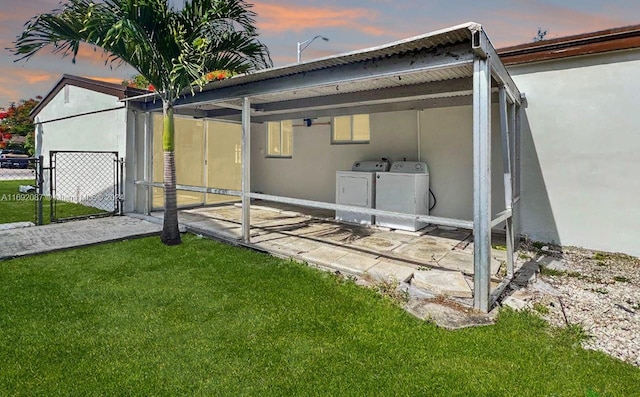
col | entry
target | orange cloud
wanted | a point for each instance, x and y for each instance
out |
(277, 18)
(13, 82)
(37, 77)
(115, 80)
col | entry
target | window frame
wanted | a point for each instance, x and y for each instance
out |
(351, 141)
(268, 144)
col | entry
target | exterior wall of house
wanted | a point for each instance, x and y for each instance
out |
(445, 145)
(105, 131)
(580, 151)
(310, 173)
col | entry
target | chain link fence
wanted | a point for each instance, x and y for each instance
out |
(84, 184)
(20, 188)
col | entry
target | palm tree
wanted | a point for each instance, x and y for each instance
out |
(173, 49)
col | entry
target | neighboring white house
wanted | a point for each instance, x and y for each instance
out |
(580, 138)
(83, 115)
(578, 151)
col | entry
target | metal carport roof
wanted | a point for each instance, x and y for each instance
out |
(407, 71)
(448, 67)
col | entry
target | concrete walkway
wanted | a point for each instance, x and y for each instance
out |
(40, 239)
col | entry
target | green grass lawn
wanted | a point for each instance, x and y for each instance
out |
(20, 207)
(204, 318)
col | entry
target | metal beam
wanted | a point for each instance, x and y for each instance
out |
(515, 172)
(380, 108)
(362, 210)
(148, 162)
(484, 49)
(246, 170)
(436, 220)
(198, 189)
(197, 113)
(258, 117)
(419, 61)
(481, 183)
(505, 133)
(501, 217)
(450, 88)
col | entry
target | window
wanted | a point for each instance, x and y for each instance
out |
(351, 129)
(280, 138)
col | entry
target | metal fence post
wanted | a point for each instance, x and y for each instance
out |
(40, 189)
(52, 170)
(121, 185)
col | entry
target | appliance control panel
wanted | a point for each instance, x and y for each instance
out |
(370, 166)
(410, 167)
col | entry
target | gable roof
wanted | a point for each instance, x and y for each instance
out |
(615, 39)
(117, 90)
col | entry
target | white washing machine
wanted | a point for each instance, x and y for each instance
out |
(404, 189)
(358, 188)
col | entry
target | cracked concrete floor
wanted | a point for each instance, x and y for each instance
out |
(377, 254)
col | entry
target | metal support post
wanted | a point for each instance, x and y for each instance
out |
(246, 170)
(148, 163)
(481, 183)
(505, 132)
(52, 186)
(40, 191)
(121, 187)
(515, 172)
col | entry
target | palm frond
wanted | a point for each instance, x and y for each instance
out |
(172, 49)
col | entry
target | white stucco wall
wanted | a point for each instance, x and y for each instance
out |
(105, 131)
(445, 145)
(581, 151)
(311, 172)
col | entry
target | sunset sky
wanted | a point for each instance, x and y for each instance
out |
(351, 25)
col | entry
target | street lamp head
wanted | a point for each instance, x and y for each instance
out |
(306, 43)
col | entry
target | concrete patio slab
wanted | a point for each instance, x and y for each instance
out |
(426, 249)
(377, 243)
(40, 239)
(454, 235)
(356, 264)
(397, 235)
(373, 253)
(284, 223)
(296, 245)
(325, 255)
(463, 261)
(442, 282)
(448, 316)
(386, 270)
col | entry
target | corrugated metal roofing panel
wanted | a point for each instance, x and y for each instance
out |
(452, 35)
(370, 84)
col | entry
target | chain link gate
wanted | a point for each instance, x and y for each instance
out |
(20, 184)
(84, 184)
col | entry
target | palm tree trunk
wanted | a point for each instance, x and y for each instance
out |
(170, 234)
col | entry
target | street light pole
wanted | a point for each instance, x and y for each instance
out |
(306, 43)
